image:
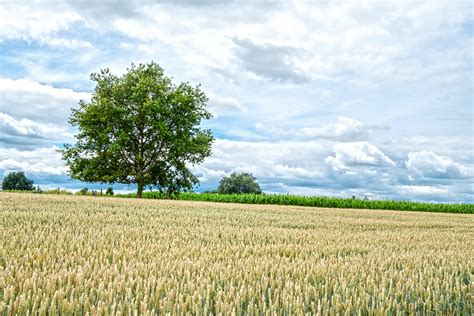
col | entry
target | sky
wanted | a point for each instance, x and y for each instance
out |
(336, 98)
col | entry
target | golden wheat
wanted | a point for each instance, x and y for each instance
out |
(79, 255)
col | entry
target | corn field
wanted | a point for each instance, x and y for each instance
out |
(62, 255)
(315, 201)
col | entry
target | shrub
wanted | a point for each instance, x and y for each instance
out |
(110, 191)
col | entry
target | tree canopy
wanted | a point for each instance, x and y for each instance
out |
(17, 181)
(239, 183)
(139, 128)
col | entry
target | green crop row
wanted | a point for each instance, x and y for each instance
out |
(315, 201)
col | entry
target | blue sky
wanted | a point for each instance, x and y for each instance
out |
(332, 98)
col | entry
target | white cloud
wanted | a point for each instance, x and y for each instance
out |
(277, 131)
(28, 128)
(32, 20)
(357, 154)
(219, 105)
(38, 161)
(24, 98)
(65, 43)
(266, 160)
(273, 62)
(413, 190)
(306, 167)
(375, 40)
(430, 165)
(206, 174)
(345, 129)
(294, 65)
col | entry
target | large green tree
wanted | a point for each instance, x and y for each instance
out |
(17, 181)
(238, 183)
(139, 128)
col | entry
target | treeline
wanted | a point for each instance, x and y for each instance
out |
(83, 191)
(314, 201)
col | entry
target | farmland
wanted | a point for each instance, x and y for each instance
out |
(64, 254)
(315, 201)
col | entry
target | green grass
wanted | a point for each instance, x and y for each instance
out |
(315, 201)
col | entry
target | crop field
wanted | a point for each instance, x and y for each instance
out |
(315, 201)
(76, 255)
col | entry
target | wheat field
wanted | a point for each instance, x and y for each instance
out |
(101, 256)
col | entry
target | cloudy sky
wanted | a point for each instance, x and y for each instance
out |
(313, 97)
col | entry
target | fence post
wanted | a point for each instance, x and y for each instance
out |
(58, 190)
(100, 192)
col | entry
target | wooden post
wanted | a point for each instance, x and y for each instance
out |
(58, 190)
(100, 192)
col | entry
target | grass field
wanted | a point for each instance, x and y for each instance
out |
(76, 255)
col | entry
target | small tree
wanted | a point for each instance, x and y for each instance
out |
(239, 183)
(83, 191)
(110, 191)
(17, 181)
(141, 129)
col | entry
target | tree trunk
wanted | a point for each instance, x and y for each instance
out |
(139, 189)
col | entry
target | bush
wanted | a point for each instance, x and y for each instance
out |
(56, 191)
(110, 191)
(17, 181)
(238, 183)
(83, 191)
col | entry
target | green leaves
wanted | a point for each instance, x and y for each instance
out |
(238, 183)
(139, 128)
(17, 181)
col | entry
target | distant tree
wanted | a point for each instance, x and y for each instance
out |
(210, 191)
(239, 183)
(17, 181)
(141, 129)
(83, 191)
(110, 191)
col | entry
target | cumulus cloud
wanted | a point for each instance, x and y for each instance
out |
(32, 20)
(24, 98)
(281, 41)
(378, 60)
(38, 161)
(307, 167)
(266, 160)
(65, 43)
(357, 154)
(273, 62)
(219, 105)
(345, 129)
(101, 13)
(430, 165)
(29, 128)
(411, 190)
